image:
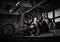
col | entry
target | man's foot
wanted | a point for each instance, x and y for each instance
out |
(53, 31)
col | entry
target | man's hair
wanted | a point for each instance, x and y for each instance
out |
(43, 11)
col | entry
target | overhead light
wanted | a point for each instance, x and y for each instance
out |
(17, 3)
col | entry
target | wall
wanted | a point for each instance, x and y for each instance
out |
(8, 18)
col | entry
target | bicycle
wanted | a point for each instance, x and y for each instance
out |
(9, 29)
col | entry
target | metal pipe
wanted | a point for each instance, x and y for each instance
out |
(17, 3)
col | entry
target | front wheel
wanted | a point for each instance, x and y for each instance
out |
(8, 30)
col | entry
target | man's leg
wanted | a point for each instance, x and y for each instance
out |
(40, 30)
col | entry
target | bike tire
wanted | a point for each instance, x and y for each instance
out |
(3, 29)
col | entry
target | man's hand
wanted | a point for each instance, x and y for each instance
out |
(35, 22)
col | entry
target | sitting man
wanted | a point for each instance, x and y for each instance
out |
(45, 24)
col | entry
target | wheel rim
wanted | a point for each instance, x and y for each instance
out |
(8, 30)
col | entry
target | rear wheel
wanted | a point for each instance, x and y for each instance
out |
(28, 19)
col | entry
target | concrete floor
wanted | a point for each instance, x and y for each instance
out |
(34, 37)
(50, 34)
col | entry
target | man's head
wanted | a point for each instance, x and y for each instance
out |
(43, 14)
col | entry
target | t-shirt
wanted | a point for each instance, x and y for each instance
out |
(47, 20)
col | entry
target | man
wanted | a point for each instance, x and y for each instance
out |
(45, 24)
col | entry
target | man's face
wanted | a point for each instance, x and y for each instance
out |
(43, 15)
